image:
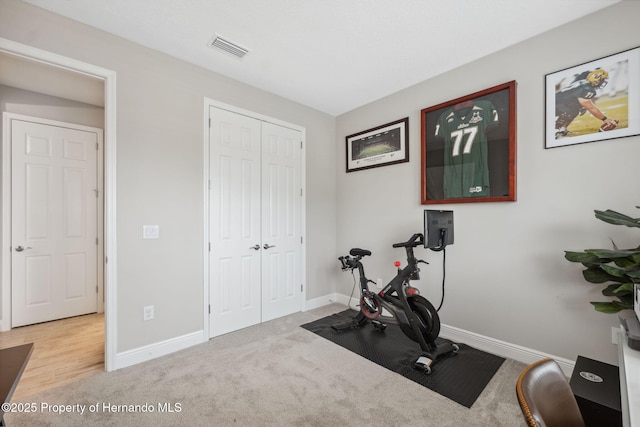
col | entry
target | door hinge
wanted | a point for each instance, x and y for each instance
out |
(301, 192)
(209, 185)
(300, 287)
(301, 145)
(209, 122)
(209, 308)
(301, 239)
(97, 241)
(96, 289)
(209, 246)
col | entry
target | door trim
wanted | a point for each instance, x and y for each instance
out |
(110, 219)
(208, 102)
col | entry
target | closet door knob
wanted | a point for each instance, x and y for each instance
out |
(256, 247)
(267, 246)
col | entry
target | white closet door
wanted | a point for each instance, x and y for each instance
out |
(254, 221)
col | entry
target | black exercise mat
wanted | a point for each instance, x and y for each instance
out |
(460, 377)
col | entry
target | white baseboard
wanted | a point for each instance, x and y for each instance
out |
(481, 342)
(502, 348)
(151, 351)
(325, 300)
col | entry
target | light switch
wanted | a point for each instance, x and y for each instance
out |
(150, 231)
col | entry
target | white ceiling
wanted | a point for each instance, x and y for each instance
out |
(331, 55)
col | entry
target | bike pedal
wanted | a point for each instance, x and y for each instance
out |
(424, 361)
(423, 364)
(378, 325)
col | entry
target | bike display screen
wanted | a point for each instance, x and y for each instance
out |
(438, 228)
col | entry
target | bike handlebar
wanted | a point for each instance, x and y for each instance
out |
(415, 240)
(349, 263)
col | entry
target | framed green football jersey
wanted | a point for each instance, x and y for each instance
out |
(468, 148)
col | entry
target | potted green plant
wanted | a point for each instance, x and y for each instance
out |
(616, 268)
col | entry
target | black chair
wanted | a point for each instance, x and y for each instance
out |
(546, 398)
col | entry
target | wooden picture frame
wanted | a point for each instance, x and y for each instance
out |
(381, 146)
(583, 101)
(469, 148)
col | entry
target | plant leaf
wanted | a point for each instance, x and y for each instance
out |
(597, 275)
(613, 253)
(581, 257)
(634, 274)
(613, 217)
(618, 290)
(624, 289)
(606, 307)
(614, 271)
(625, 262)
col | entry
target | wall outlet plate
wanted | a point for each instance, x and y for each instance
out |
(150, 231)
(148, 312)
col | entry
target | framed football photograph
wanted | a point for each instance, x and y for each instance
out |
(381, 146)
(469, 148)
(594, 101)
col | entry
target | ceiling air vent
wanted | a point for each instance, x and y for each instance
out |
(229, 47)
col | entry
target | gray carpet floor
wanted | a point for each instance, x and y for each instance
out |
(272, 374)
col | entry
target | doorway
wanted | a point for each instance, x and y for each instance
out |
(255, 218)
(56, 219)
(108, 262)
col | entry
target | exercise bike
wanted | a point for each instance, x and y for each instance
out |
(415, 315)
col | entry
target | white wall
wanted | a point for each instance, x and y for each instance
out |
(160, 166)
(506, 275)
(35, 104)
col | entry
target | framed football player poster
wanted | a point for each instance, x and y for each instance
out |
(381, 146)
(469, 148)
(593, 101)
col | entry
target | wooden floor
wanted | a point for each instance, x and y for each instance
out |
(64, 351)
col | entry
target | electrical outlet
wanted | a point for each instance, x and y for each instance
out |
(379, 283)
(148, 312)
(614, 335)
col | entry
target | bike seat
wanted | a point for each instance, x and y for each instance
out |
(359, 252)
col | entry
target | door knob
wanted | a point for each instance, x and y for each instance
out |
(256, 247)
(267, 246)
(20, 248)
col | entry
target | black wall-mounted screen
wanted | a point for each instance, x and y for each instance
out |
(438, 229)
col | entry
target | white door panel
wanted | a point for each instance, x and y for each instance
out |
(281, 221)
(234, 222)
(54, 222)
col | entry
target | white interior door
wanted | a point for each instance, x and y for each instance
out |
(254, 221)
(281, 236)
(54, 222)
(234, 224)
